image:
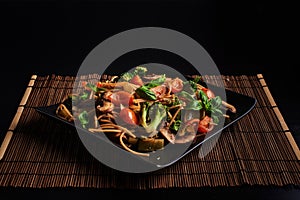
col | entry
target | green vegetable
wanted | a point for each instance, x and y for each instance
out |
(176, 125)
(84, 96)
(216, 112)
(127, 76)
(211, 106)
(139, 70)
(144, 90)
(197, 79)
(191, 102)
(84, 119)
(145, 93)
(190, 86)
(156, 82)
(94, 88)
(155, 114)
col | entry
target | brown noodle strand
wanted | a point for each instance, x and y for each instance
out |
(130, 150)
(106, 120)
(174, 116)
(124, 130)
(176, 106)
(99, 130)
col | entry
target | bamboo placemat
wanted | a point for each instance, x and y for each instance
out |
(257, 150)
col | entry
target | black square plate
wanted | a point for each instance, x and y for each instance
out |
(159, 159)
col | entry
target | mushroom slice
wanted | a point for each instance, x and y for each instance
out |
(63, 112)
(107, 107)
(229, 106)
(188, 132)
(168, 135)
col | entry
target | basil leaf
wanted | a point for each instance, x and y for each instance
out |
(194, 105)
(145, 93)
(216, 101)
(83, 118)
(202, 96)
(175, 125)
(156, 82)
(84, 96)
(92, 87)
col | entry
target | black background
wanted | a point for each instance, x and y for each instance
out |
(242, 37)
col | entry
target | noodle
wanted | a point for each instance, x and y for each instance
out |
(130, 150)
(158, 101)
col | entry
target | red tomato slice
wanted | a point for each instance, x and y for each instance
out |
(205, 125)
(128, 116)
(177, 85)
(121, 97)
(99, 84)
(209, 93)
(137, 80)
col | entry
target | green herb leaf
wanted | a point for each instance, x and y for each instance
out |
(156, 82)
(84, 96)
(83, 118)
(175, 125)
(145, 93)
(191, 102)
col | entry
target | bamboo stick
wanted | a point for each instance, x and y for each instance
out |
(280, 117)
(16, 118)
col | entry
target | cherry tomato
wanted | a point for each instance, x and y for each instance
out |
(99, 84)
(205, 125)
(209, 93)
(177, 85)
(121, 97)
(128, 116)
(136, 79)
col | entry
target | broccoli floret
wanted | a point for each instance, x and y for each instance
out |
(140, 70)
(127, 76)
(156, 112)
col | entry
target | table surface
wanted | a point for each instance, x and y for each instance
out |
(52, 37)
